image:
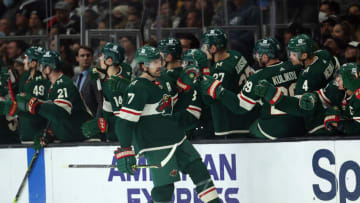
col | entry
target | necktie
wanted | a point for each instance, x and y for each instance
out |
(79, 80)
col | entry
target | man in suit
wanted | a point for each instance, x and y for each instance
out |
(85, 85)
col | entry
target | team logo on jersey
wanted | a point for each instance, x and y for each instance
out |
(165, 105)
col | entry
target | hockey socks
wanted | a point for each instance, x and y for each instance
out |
(204, 185)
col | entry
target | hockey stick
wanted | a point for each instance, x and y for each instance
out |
(108, 166)
(162, 163)
(35, 156)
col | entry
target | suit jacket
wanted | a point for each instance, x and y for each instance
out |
(91, 95)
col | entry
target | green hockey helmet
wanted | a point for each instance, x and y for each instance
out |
(350, 75)
(195, 57)
(301, 44)
(146, 54)
(51, 59)
(215, 37)
(171, 46)
(269, 46)
(34, 53)
(114, 51)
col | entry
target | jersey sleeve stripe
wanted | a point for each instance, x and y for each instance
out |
(66, 105)
(245, 102)
(357, 119)
(130, 111)
(175, 98)
(129, 114)
(323, 98)
(212, 88)
(194, 110)
(276, 97)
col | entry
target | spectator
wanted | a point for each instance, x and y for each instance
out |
(328, 8)
(354, 9)
(326, 28)
(22, 19)
(168, 19)
(352, 52)
(87, 87)
(133, 20)
(4, 26)
(90, 16)
(35, 28)
(183, 9)
(343, 31)
(61, 23)
(129, 45)
(193, 19)
(119, 16)
(13, 50)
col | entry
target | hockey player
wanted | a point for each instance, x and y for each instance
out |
(115, 75)
(319, 66)
(32, 83)
(345, 120)
(281, 74)
(64, 109)
(148, 104)
(311, 105)
(232, 70)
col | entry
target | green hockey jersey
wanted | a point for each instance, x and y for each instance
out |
(351, 112)
(233, 72)
(112, 101)
(146, 117)
(282, 75)
(65, 110)
(31, 126)
(314, 119)
(318, 74)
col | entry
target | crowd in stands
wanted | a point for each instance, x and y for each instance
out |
(336, 29)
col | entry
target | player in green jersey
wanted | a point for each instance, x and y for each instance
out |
(311, 105)
(148, 104)
(64, 109)
(346, 120)
(32, 83)
(281, 74)
(179, 81)
(319, 66)
(232, 69)
(116, 76)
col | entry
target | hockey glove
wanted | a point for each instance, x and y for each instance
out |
(118, 83)
(28, 103)
(202, 62)
(95, 73)
(268, 92)
(93, 127)
(332, 118)
(307, 101)
(125, 160)
(188, 78)
(8, 107)
(211, 87)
